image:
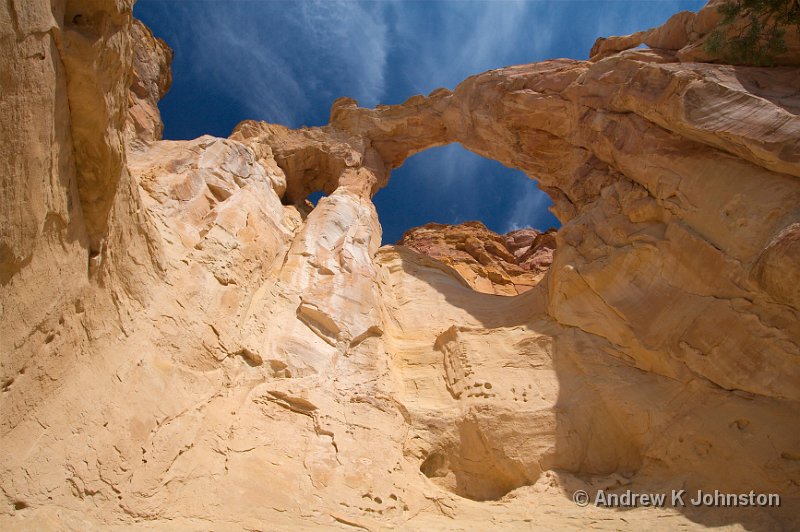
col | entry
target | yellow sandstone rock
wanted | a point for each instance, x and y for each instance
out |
(186, 345)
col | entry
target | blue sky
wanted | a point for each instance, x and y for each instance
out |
(286, 61)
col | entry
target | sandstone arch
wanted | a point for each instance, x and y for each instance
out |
(230, 361)
(631, 190)
(603, 157)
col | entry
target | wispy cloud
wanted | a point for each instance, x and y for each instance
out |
(489, 39)
(446, 42)
(280, 60)
(529, 210)
(450, 166)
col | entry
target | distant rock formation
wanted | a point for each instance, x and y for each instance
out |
(185, 345)
(686, 33)
(505, 265)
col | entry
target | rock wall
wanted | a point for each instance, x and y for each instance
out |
(185, 342)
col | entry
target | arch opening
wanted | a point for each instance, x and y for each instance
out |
(489, 222)
(315, 197)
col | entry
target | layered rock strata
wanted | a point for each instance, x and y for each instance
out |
(507, 264)
(185, 345)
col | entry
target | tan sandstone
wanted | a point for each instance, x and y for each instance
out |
(185, 345)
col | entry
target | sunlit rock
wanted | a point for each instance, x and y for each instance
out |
(187, 345)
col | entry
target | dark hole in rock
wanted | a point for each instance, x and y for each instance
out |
(434, 465)
(314, 197)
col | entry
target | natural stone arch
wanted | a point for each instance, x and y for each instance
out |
(521, 121)
(607, 162)
(675, 266)
(628, 187)
(619, 173)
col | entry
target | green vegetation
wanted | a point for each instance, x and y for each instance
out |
(759, 27)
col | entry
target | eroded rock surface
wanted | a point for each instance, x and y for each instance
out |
(185, 343)
(506, 265)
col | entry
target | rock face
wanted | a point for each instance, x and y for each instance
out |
(184, 343)
(505, 265)
(151, 79)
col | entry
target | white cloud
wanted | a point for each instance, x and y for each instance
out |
(466, 38)
(527, 210)
(278, 62)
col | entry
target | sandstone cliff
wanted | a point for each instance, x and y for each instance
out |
(185, 346)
